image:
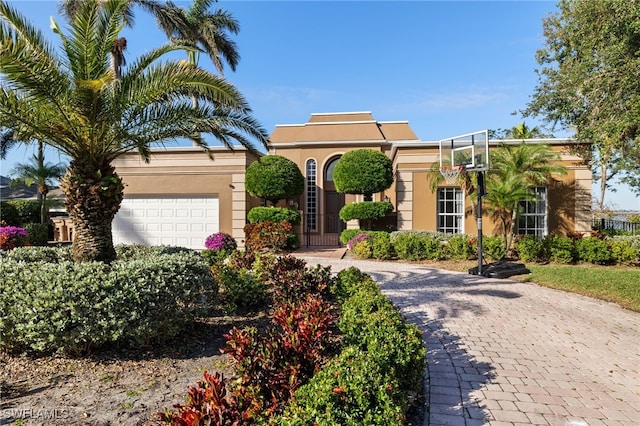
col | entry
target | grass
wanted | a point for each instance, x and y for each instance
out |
(620, 285)
(617, 285)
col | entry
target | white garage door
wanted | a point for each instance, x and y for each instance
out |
(175, 221)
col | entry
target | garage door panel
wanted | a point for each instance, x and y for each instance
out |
(176, 221)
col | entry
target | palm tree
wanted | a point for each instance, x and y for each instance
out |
(522, 131)
(76, 104)
(522, 165)
(6, 142)
(40, 172)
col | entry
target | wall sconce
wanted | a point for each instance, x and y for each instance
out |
(387, 199)
(293, 204)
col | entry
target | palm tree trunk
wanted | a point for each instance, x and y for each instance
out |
(92, 198)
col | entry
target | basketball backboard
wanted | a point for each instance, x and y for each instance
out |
(468, 152)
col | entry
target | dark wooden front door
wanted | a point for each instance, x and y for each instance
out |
(333, 202)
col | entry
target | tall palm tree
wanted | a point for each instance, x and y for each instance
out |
(521, 165)
(6, 142)
(40, 172)
(76, 104)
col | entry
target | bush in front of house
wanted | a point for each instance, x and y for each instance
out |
(559, 249)
(27, 211)
(493, 247)
(37, 233)
(271, 236)
(460, 247)
(274, 178)
(593, 250)
(365, 212)
(39, 254)
(274, 214)
(76, 307)
(626, 249)
(417, 246)
(240, 291)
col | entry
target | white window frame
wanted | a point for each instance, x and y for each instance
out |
(311, 201)
(533, 217)
(453, 208)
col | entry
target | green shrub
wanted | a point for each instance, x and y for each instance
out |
(460, 247)
(559, 249)
(348, 234)
(9, 214)
(37, 233)
(363, 249)
(529, 248)
(414, 246)
(274, 178)
(594, 250)
(240, 291)
(75, 307)
(440, 236)
(28, 211)
(349, 281)
(274, 214)
(382, 247)
(39, 254)
(363, 171)
(623, 251)
(365, 211)
(493, 247)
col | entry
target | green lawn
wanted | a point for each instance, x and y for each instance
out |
(618, 285)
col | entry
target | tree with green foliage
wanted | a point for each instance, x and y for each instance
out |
(274, 178)
(589, 81)
(363, 171)
(514, 170)
(93, 109)
(40, 172)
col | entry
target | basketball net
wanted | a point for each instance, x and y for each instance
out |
(450, 174)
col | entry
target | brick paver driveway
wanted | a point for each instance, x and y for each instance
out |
(508, 353)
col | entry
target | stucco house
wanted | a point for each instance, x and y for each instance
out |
(181, 196)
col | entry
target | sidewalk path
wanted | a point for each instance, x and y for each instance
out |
(508, 353)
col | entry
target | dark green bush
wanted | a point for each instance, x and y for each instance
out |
(559, 249)
(363, 171)
(382, 247)
(493, 247)
(274, 178)
(274, 214)
(240, 291)
(529, 248)
(460, 247)
(415, 246)
(9, 213)
(37, 233)
(594, 250)
(75, 307)
(28, 211)
(366, 211)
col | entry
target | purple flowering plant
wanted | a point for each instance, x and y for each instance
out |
(220, 241)
(12, 237)
(357, 239)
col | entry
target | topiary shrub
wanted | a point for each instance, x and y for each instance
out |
(76, 307)
(37, 233)
(365, 212)
(363, 171)
(274, 178)
(274, 214)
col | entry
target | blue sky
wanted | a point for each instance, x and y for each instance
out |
(447, 67)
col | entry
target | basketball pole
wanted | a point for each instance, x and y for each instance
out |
(480, 190)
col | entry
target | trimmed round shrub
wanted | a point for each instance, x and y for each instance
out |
(274, 178)
(363, 171)
(274, 214)
(76, 307)
(365, 212)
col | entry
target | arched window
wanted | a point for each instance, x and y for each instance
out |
(329, 170)
(312, 195)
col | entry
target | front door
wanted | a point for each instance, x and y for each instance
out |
(333, 202)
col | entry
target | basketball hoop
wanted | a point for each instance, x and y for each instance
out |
(450, 174)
